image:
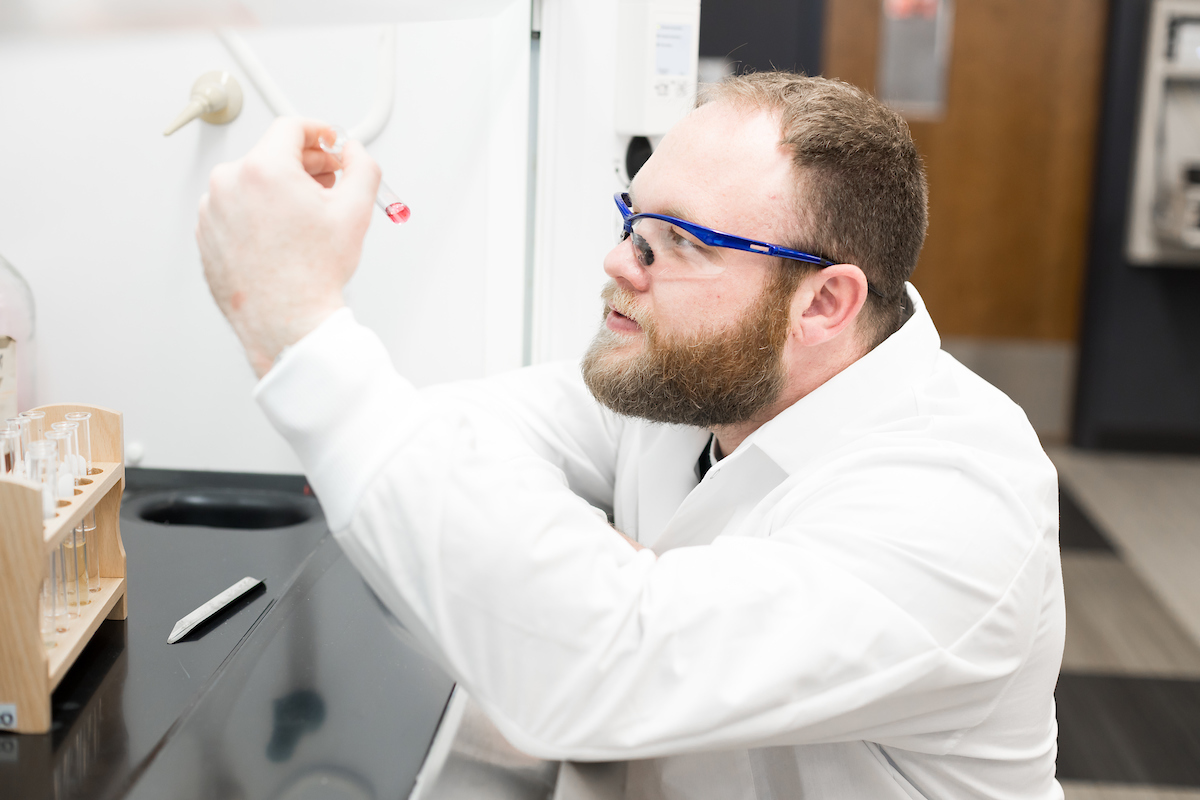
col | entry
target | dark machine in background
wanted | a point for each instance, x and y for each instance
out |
(764, 34)
(1138, 385)
(1139, 364)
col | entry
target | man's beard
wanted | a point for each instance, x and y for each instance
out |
(718, 377)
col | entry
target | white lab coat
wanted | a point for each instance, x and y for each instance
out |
(864, 600)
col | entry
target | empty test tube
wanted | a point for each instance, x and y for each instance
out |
(76, 551)
(64, 487)
(49, 600)
(72, 468)
(79, 581)
(37, 424)
(43, 459)
(83, 441)
(76, 461)
(84, 420)
(62, 608)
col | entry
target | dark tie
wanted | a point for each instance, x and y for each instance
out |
(705, 462)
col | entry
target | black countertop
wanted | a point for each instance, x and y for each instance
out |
(306, 689)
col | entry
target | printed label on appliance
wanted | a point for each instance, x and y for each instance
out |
(673, 49)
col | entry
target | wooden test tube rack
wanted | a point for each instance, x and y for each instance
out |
(29, 671)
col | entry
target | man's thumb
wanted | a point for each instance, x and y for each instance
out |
(360, 175)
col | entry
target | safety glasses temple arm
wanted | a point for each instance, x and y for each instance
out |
(717, 239)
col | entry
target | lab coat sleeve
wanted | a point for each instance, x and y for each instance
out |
(550, 408)
(581, 648)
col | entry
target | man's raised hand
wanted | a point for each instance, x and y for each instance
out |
(279, 240)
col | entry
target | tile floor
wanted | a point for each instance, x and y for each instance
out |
(1129, 695)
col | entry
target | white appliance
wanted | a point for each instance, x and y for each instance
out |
(500, 264)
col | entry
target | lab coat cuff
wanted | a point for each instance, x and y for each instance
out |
(333, 396)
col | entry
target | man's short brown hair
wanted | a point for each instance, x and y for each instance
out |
(861, 193)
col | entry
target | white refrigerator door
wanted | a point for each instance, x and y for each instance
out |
(97, 210)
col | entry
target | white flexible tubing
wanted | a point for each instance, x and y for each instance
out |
(385, 90)
(271, 94)
(385, 86)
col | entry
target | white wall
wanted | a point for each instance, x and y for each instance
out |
(97, 211)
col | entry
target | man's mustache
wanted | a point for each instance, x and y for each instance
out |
(622, 301)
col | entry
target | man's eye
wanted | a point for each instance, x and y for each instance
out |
(680, 240)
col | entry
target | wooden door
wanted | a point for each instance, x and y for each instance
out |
(1009, 163)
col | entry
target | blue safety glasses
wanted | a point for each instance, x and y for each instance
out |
(654, 238)
(669, 245)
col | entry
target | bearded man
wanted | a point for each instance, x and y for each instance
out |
(839, 575)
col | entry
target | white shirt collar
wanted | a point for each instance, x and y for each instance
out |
(860, 396)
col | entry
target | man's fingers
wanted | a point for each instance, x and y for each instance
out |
(288, 135)
(360, 174)
(292, 136)
(317, 162)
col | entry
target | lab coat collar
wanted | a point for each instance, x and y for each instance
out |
(859, 398)
(666, 475)
(854, 399)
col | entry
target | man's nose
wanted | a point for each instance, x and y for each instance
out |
(621, 265)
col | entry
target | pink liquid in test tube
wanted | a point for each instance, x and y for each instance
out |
(396, 210)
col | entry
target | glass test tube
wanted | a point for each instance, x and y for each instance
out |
(84, 420)
(64, 490)
(387, 200)
(61, 611)
(64, 485)
(77, 545)
(37, 424)
(76, 461)
(13, 444)
(71, 469)
(43, 459)
(10, 452)
(37, 420)
(77, 554)
(21, 424)
(49, 601)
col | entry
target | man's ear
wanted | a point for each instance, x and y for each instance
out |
(827, 302)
